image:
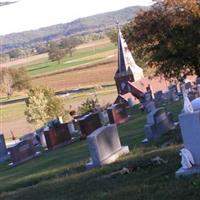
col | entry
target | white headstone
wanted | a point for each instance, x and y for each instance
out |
(196, 104)
(187, 104)
(105, 146)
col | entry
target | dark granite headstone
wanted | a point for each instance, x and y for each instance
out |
(198, 81)
(198, 90)
(117, 114)
(89, 123)
(173, 92)
(188, 86)
(22, 151)
(57, 136)
(159, 122)
(158, 96)
(3, 149)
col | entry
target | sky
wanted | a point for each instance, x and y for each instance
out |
(34, 14)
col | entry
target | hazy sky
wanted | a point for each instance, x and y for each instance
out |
(33, 14)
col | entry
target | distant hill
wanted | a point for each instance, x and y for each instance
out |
(6, 3)
(96, 23)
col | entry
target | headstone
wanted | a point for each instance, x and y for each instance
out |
(60, 119)
(188, 86)
(198, 81)
(71, 128)
(187, 104)
(31, 137)
(105, 146)
(159, 122)
(41, 137)
(103, 115)
(148, 96)
(158, 96)
(89, 123)
(3, 149)
(117, 114)
(57, 136)
(148, 103)
(130, 102)
(196, 104)
(150, 106)
(22, 151)
(190, 130)
(173, 93)
(198, 90)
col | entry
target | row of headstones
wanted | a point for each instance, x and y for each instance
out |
(151, 99)
(189, 121)
(62, 134)
(160, 122)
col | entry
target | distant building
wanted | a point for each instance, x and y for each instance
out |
(127, 73)
(128, 70)
(129, 78)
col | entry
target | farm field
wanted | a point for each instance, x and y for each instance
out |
(92, 65)
(93, 75)
(61, 174)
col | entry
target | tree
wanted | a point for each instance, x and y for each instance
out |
(88, 106)
(112, 35)
(69, 44)
(167, 37)
(42, 105)
(55, 53)
(13, 79)
(16, 53)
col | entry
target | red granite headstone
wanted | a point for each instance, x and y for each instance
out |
(117, 114)
(57, 136)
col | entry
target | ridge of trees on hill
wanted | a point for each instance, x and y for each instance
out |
(82, 26)
(7, 3)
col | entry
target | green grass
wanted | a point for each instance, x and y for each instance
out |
(12, 112)
(60, 174)
(80, 57)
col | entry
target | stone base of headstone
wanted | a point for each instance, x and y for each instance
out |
(188, 172)
(60, 145)
(123, 151)
(25, 160)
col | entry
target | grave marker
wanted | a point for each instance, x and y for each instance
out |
(57, 136)
(3, 149)
(105, 146)
(158, 123)
(117, 114)
(190, 130)
(22, 151)
(89, 123)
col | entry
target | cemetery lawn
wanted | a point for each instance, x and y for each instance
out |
(61, 174)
